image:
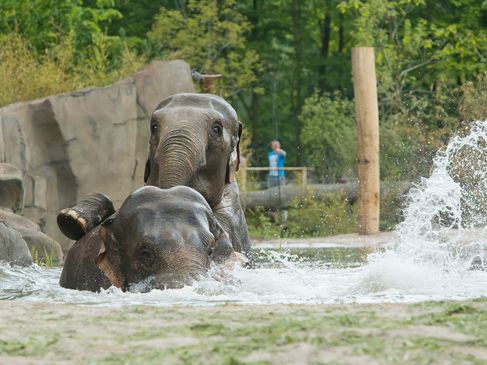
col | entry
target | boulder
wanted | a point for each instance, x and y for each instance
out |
(44, 247)
(13, 248)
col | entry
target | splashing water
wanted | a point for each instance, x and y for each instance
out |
(430, 258)
(444, 227)
(451, 204)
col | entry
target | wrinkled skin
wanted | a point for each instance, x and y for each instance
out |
(162, 237)
(194, 141)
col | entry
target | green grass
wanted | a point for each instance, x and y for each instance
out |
(39, 260)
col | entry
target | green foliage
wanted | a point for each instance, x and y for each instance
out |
(40, 260)
(46, 22)
(285, 65)
(210, 36)
(26, 75)
(312, 217)
(261, 223)
(23, 76)
(321, 216)
(52, 46)
(328, 135)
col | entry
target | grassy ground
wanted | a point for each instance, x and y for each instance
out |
(427, 333)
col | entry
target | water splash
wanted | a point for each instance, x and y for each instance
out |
(443, 230)
(449, 205)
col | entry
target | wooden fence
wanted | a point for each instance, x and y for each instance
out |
(301, 171)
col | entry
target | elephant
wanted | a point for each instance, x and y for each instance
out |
(194, 141)
(160, 237)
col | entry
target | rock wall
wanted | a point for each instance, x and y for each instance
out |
(90, 140)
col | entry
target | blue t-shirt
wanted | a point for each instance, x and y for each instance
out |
(276, 160)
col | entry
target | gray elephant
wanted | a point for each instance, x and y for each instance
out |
(163, 238)
(194, 141)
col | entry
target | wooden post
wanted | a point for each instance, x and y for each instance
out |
(209, 82)
(304, 177)
(367, 117)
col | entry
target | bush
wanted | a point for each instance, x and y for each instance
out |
(261, 223)
(306, 217)
(328, 135)
(320, 217)
(25, 75)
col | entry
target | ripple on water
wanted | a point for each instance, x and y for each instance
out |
(280, 278)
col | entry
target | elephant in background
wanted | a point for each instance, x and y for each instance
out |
(194, 141)
(163, 238)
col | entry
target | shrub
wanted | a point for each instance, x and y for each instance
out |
(329, 215)
(328, 135)
(261, 224)
(309, 216)
(25, 75)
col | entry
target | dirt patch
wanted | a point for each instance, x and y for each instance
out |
(441, 333)
(309, 354)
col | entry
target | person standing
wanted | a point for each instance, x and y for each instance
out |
(277, 157)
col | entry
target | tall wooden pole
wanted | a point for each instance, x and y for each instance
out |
(367, 117)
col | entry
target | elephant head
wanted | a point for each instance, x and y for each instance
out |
(194, 141)
(165, 236)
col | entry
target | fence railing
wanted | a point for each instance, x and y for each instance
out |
(302, 171)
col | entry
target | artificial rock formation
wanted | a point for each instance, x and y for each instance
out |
(13, 248)
(11, 188)
(39, 244)
(95, 139)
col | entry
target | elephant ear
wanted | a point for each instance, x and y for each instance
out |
(109, 259)
(240, 127)
(233, 163)
(222, 249)
(147, 170)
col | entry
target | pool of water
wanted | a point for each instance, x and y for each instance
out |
(430, 258)
(297, 276)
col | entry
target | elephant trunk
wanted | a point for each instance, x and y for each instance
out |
(181, 154)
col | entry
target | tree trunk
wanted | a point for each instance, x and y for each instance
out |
(325, 31)
(296, 13)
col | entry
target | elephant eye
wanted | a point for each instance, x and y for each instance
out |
(154, 127)
(217, 129)
(145, 256)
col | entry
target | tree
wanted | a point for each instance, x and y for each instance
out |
(210, 35)
(329, 135)
(46, 23)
